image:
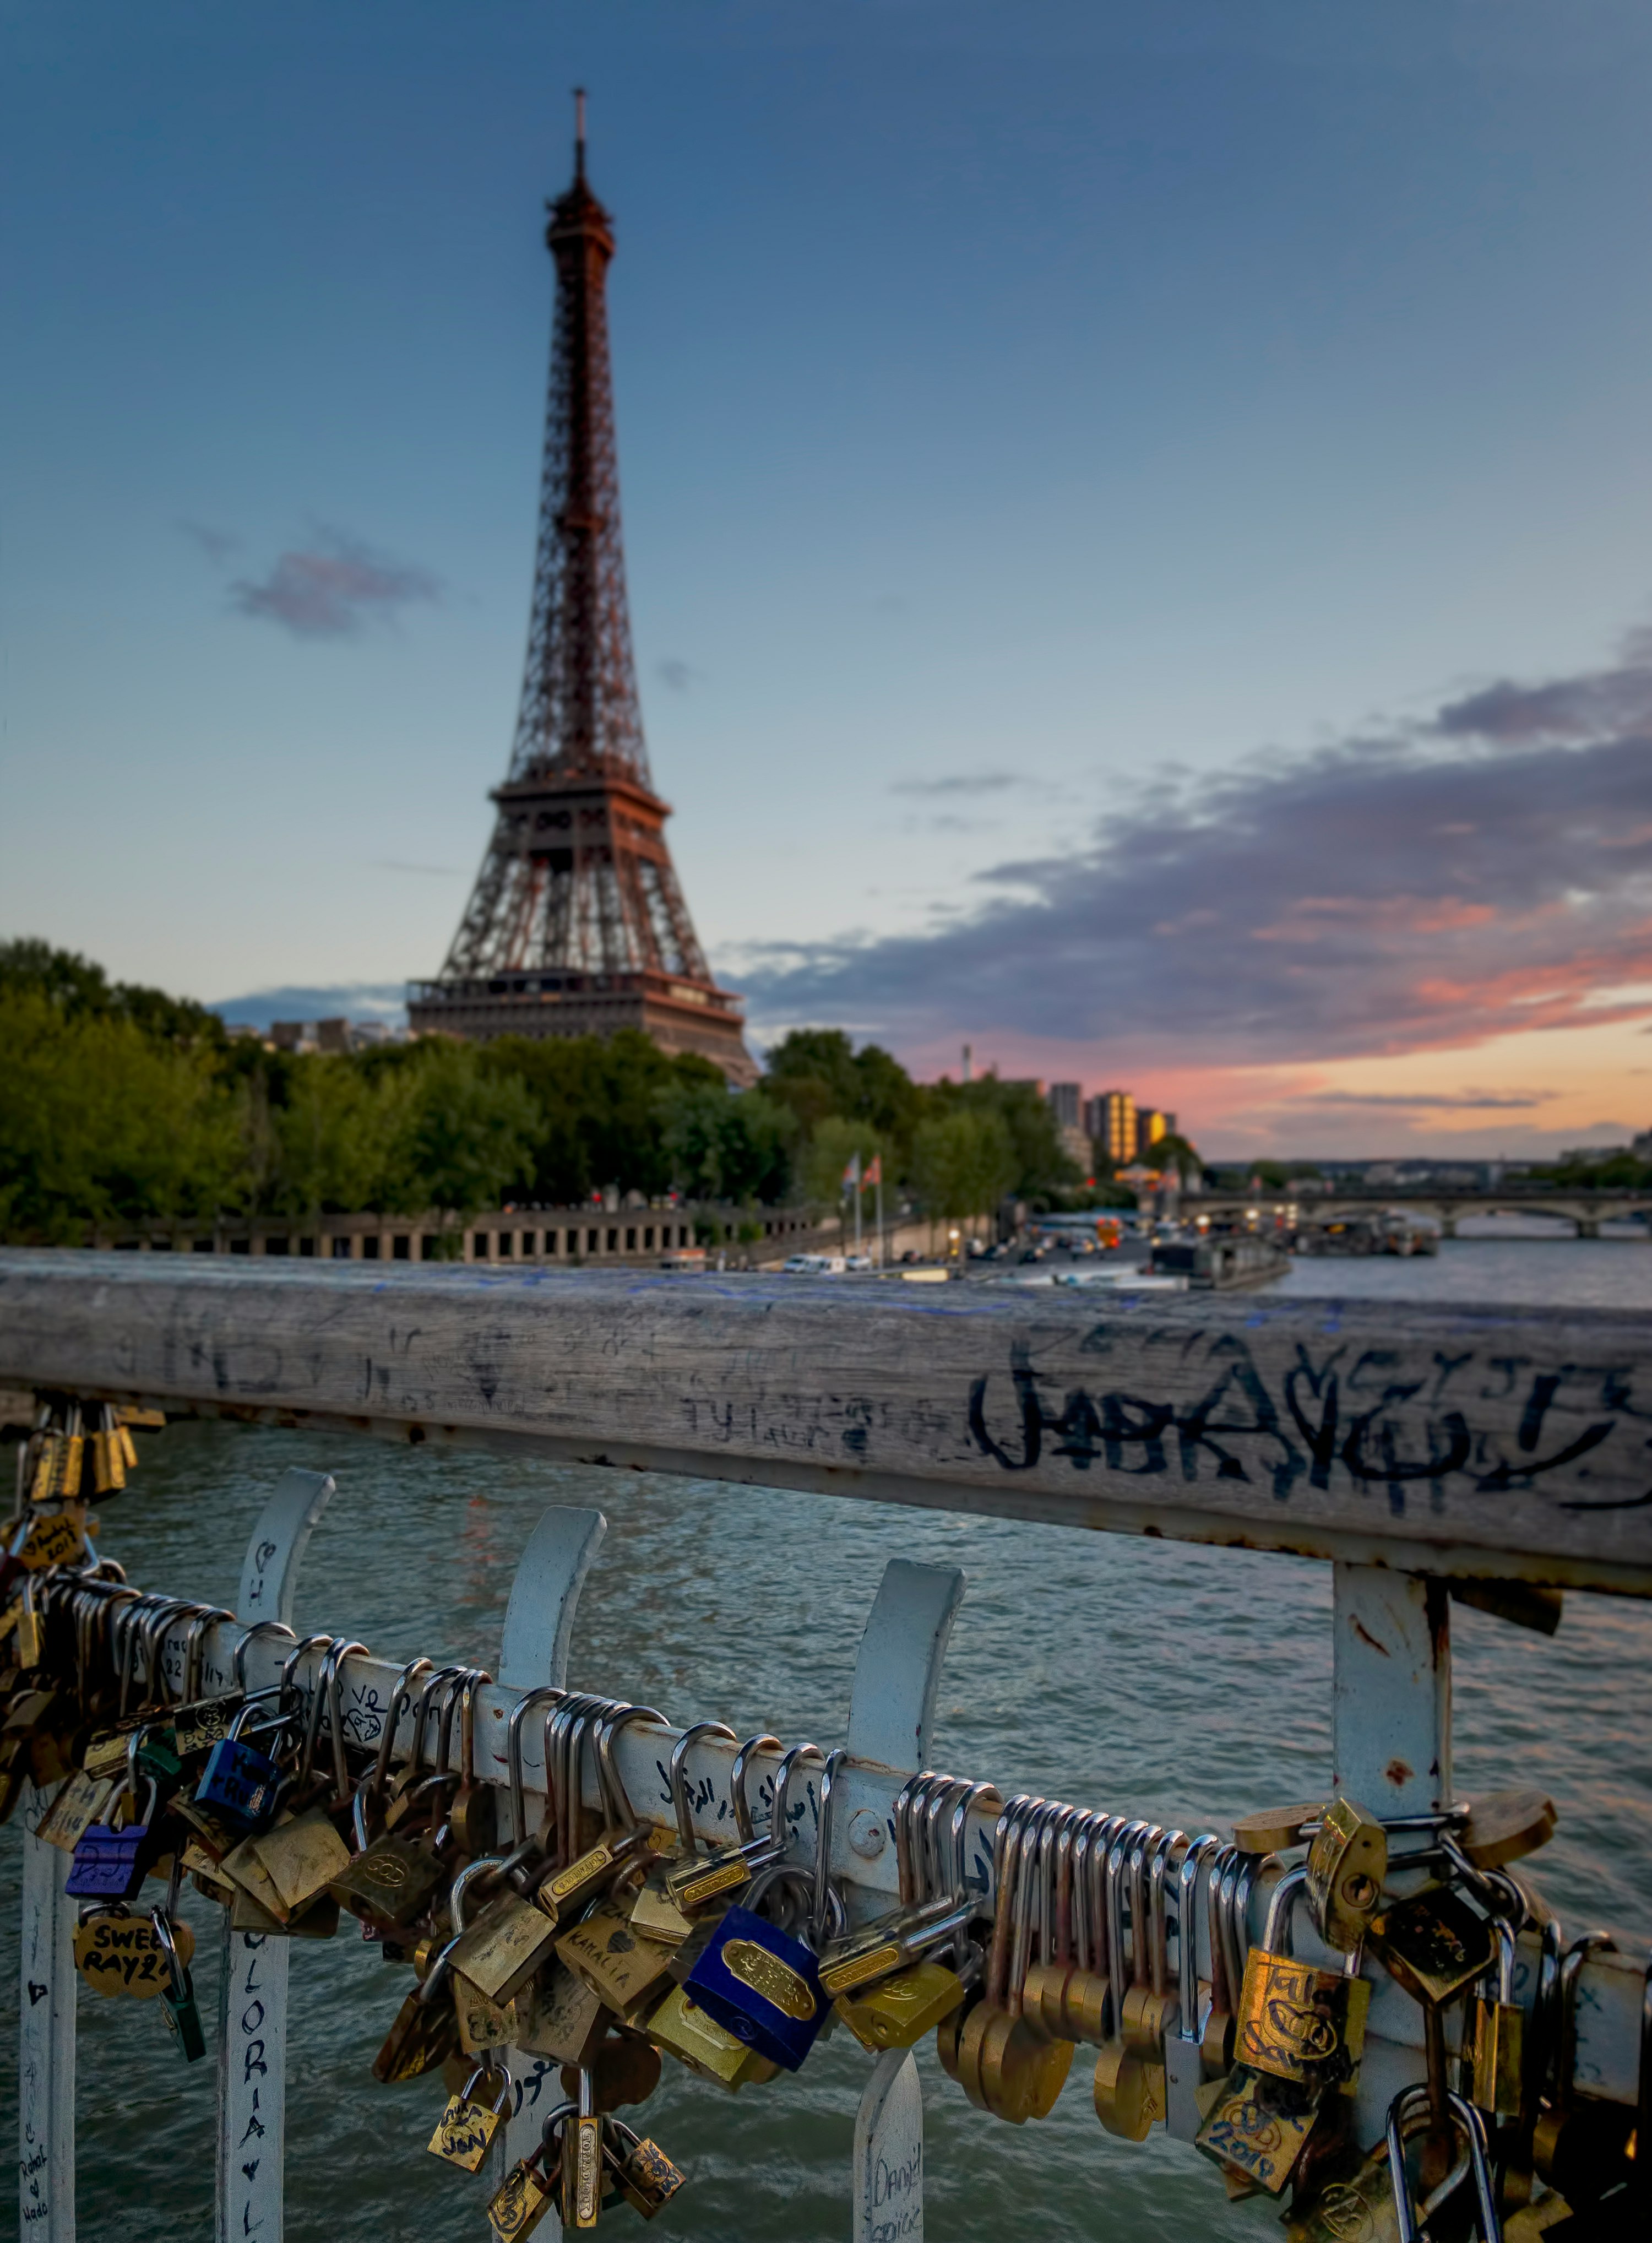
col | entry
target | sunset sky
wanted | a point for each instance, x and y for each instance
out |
(1139, 519)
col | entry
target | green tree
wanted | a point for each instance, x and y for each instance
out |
(963, 1162)
(816, 1072)
(599, 1104)
(81, 990)
(723, 1144)
(1042, 1164)
(100, 1126)
(465, 1135)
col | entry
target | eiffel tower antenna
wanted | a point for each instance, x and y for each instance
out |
(577, 925)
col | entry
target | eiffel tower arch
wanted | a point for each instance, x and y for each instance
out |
(577, 925)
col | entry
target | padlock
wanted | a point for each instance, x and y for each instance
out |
(1347, 1862)
(558, 2015)
(299, 1859)
(1432, 1944)
(239, 1784)
(31, 1635)
(1258, 2125)
(1294, 2022)
(1128, 2088)
(880, 1950)
(111, 1864)
(1006, 2065)
(582, 2170)
(645, 2176)
(1413, 2109)
(425, 2030)
(465, 2132)
(1495, 2047)
(625, 2067)
(757, 1982)
(1275, 1830)
(178, 2004)
(1184, 2048)
(1505, 1826)
(83, 1801)
(695, 2039)
(1554, 2133)
(697, 1879)
(529, 2189)
(614, 1959)
(507, 1942)
(121, 1954)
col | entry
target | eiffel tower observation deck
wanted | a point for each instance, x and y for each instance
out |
(577, 925)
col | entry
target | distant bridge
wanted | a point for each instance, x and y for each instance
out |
(1584, 1210)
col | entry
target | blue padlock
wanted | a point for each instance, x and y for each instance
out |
(239, 1784)
(755, 1979)
(111, 1864)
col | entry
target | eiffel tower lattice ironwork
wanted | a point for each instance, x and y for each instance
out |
(577, 925)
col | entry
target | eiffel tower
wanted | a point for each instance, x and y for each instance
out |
(577, 925)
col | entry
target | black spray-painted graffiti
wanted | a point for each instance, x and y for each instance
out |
(1497, 1421)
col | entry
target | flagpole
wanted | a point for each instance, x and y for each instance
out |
(883, 1243)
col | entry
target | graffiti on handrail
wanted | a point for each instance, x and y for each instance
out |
(1376, 1413)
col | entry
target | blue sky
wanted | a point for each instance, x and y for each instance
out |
(1042, 430)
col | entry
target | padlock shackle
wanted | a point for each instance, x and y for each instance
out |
(677, 1775)
(1275, 1926)
(1415, 2104)
(746, 1828)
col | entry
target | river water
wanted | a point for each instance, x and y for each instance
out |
(1182, 1683)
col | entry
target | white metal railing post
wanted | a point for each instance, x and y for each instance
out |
(533, 1655)
(252, 1986)
(45, 2037)
(891, 1707)
(1391, 1750)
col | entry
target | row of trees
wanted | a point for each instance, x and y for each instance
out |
(123, 1104)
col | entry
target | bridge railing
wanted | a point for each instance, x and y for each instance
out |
(1409, 1447)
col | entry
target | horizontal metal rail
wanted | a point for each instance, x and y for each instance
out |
(1458, 1441)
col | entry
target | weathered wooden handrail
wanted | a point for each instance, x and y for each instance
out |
(1464, 1441)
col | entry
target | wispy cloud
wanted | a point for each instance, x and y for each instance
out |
(1488, 869)
(217, 544)
(330, 589)
(962, 783)
(1470, 1102)
(672, 671)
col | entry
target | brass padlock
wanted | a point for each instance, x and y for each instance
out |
(698, 2042)
(645, 2176)
(1497, 2036)
(465, 2129)
(582, 2162)
(531, 2188)
(1432, 1944)
(617, 1962)
(1006, 2065)
(1258, 2125)
(902, 2008)
(1294, 2022)
(1505, 1826)
(1347, 1862)
(483, 2025)
(298, 1860)
(422, 2035)
(1275, 1830)
(1129, 2089)
(558, 2015)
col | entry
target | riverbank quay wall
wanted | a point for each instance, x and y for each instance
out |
(1456, 1441)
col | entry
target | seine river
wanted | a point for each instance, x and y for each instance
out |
(1182, 1683)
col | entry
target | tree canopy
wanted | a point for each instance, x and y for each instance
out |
(124, 1105)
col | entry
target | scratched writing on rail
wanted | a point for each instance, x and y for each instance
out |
(1386, 1419)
